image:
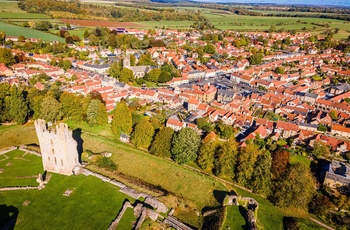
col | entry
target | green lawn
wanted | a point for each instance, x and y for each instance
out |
(235, 218)
(13, 30)
(17, 165)
(104, 130)
(92, 205)
(300, 159)
(196, 189)
(125, 222)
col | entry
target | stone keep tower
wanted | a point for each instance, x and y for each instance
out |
(58, 148)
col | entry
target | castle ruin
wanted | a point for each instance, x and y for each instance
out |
(58, 148)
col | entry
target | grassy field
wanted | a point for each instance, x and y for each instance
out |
(190, 188)
(14, 135)
(18, 165)
(235, 218)
(196, 189)
(300, 159)
(92, 205)
(252, 23)
(13, 30)
(164, 24)
(22, 15)
(127, 219)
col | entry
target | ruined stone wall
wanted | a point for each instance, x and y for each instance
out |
(58, 148)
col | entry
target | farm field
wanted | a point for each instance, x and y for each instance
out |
(252, 23)
(13, 30)
(37, 208)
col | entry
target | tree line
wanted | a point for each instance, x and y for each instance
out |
(269, 174)
(77, 10)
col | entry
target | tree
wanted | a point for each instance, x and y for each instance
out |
(256, 58)
(122, 119)
(279, 70)
(86, 34)
(225, 131)
(246, 160)
(210, 49)
(50, 109)
(161, 145)
(185, 145)
(164, 77)
(115, 69)
(320, 205)
(126, 75)
(334, 115)
(280, 162)
(146, 59)
(19, 110)
(226, 159)
(295, 189)
(206, 152)
(320, 149)
(203, 123)
(71, 106)
(261, 178)
(143, 134)
(153, 75)
(96, 113)
(7, 57)
(2, 37)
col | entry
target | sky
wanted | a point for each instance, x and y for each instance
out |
(344, 3)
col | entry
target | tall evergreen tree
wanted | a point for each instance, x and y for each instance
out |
(122, 119)
(143, 134)
(19, 106)
(185, 146)
(161, 145)
(226, 160)
(96, 113)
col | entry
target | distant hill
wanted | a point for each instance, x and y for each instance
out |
(343, 3)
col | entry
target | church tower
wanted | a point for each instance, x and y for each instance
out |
(58, 148)
(126, 61)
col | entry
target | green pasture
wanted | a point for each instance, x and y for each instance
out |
(164, 24)
(13, 30)
(20, 15)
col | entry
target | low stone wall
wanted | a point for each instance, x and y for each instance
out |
(114, 223)
(13, 188)
(6, 150)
